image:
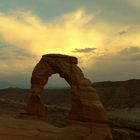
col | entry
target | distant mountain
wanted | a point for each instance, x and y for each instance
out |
(50, 96)
(4, 84)
(119, 94)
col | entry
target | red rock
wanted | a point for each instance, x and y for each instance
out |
(86, 105)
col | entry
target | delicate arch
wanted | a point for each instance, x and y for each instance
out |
(86, 105)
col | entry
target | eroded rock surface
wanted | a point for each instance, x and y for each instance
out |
(86, 108)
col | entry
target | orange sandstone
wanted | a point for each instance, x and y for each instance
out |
(86, 109)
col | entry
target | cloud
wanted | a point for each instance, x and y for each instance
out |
(35, 37)
(25, 37)
(39, 37)
(12, 53)
(135, 3)
(114, 67)
(130, 54)
(136, 57)
(122, 32)
(84, 50)
(130, 50)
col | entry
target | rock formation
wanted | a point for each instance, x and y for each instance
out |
(86, 108)
(119, 94)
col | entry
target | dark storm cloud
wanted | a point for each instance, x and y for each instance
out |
(85, 50)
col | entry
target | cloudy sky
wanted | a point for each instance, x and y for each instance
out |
(103, 34)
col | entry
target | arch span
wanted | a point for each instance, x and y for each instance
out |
(86, 105)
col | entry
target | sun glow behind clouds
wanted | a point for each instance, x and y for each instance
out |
(61, 35)
(97, 44)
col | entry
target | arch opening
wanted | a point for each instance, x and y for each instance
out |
(57, 97)
(56, 81)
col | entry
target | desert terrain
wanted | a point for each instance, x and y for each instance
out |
(121, 100)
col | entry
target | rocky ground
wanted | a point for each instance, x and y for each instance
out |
(125, 124)
(13, 128)
(121, 99)
(16, 126)
(123, 127)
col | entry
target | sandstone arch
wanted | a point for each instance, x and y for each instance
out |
(86, 107)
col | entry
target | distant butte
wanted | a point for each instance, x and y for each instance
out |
(86, 108)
